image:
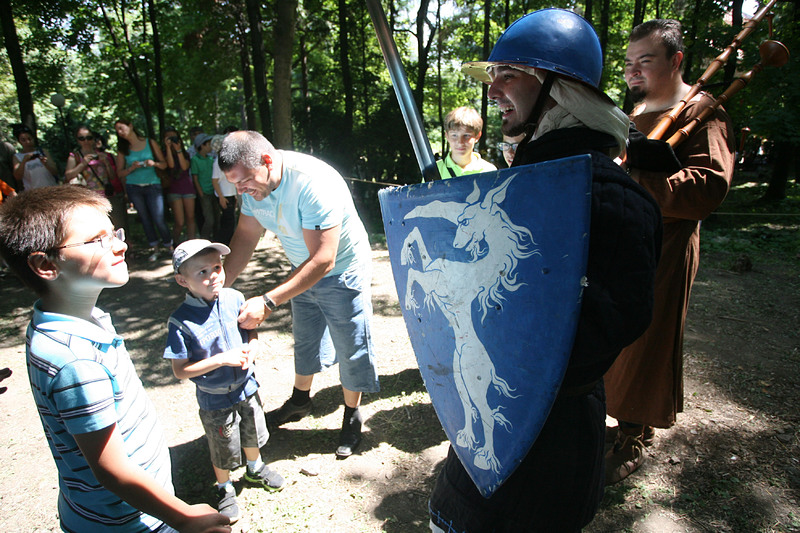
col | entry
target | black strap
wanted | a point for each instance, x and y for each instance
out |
(544, 93)
(446, 166)
(93, 170)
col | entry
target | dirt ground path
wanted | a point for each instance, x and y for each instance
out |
(731, 463)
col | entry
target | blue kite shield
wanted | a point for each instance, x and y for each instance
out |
(489, 269)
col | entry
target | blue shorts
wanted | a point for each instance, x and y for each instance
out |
(171, 197)
(331, 323)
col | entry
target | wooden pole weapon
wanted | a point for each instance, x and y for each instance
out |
(661, 128)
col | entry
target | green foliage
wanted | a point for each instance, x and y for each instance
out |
(72, 48)
(748, 226)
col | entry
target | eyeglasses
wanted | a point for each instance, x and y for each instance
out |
(87, 138)
(105, 241)
(505, 147)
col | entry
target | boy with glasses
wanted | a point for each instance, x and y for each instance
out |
(509, 146)
(111, 454)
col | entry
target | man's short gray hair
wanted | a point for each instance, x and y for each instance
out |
(245, 147)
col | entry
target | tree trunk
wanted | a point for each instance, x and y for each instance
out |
(248, 111)
(439, 46)
(129, 63)
(604, 21)
(587, 11)
(364, 28)
(249, 119)
(423, 50)
(259, 66)
(688, 59)
(157, 69)
(286, 12)
(347, 77)
(639, 8)
(24, 97)
(305, 94)
(776, 189)
(736, 27)
(487, 44)
(146, 104)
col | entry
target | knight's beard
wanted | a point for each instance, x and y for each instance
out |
(513, 131)
(638, 94)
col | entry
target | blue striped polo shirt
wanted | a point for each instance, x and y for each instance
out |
(83, 380)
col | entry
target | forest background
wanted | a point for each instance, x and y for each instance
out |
(309, 73)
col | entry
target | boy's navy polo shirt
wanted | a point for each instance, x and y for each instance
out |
(198, 330)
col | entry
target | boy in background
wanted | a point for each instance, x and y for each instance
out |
(112, 458)
(202, 166)
(463, 127)
(226, 195)
(509, 146)
(206, 345)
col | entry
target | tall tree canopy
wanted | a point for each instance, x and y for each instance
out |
(309, 73)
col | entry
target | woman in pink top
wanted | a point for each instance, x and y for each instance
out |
(180, 193)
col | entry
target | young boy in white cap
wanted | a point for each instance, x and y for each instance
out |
(206, 345)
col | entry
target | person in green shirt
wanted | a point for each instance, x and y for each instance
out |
(202, 168)
(463, 127)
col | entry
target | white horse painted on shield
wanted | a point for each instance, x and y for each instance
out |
(495, 245)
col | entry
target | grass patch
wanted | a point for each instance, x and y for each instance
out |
(747, 226)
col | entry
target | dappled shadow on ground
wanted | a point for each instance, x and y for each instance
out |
(401, 510)
(192, 473)
(408, 428)
(713, 480)
(742, 334)
(730, 463)
(386, 307)
(16, 302)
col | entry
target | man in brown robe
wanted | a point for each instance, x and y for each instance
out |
(645, 385)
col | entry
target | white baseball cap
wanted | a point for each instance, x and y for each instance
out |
(188, 249)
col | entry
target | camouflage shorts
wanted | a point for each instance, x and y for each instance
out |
(229, 430)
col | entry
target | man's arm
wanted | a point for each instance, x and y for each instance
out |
(700, 186)
(104, 452)
(244, 241)
(322, 248)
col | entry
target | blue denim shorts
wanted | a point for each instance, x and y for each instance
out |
(171, 197)
(331, 323)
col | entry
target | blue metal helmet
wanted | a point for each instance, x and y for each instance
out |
(552, 39)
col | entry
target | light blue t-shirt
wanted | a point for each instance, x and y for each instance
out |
(83, 380)
(313, 196)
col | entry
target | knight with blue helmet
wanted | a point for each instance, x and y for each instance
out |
(543, 74)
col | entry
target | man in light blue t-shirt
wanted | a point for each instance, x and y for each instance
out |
(307, 204)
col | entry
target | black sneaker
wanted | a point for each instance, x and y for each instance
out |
(288, 412)
(266, 477)
(350, 436)
(227, 504)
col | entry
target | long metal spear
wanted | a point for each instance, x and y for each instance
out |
(413, 120)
